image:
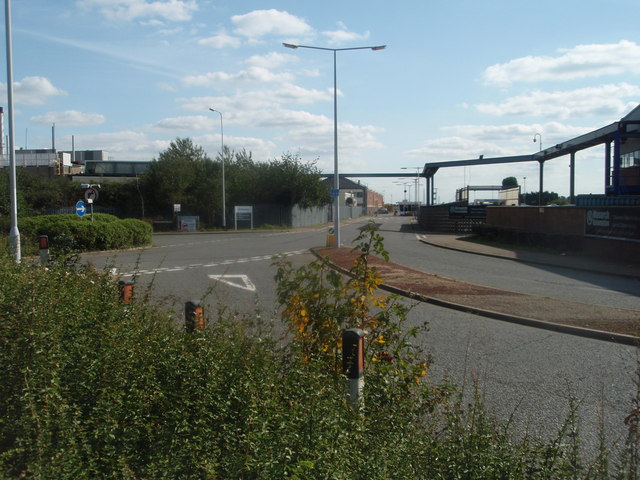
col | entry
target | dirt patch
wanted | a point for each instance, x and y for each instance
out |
(463, 295)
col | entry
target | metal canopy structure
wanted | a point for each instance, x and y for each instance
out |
(617, 133)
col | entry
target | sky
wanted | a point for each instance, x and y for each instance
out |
(458, 79)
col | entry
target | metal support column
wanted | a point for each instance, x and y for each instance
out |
(572, 178)
(541, 182)
(607, 165)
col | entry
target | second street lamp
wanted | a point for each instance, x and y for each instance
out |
(416, 189)
(336, 176)
(224, 196)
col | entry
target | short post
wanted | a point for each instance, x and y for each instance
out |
(353, 363)
(126, 291)
(331, 238)
(193, 316)
(43, 244)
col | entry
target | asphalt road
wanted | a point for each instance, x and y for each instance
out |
(526, 374)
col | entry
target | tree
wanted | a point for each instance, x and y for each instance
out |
(532, 198)
(183, 174)
(509, 182)
(288, 181)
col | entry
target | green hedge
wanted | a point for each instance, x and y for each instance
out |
(68, 233)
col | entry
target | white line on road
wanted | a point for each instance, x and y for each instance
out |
(210, 265)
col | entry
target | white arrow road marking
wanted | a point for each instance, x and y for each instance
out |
(239, 281)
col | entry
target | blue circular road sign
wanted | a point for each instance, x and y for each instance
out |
(81, 209)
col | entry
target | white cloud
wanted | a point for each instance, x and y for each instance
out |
(128, 10)
(221, 40)
(343, 35)
(516, 133)
(247, 108)
(195, 122)
(457, 148)
(252, 74)
(32, 91)
(269, 22)
(471, 141)
(124, 145)
(70, 118)
(261, 150)
(270, 60)
(605, 100)
(579, 62)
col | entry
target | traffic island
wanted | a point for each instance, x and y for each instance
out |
(593, 321)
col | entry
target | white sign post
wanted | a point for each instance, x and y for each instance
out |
(243, 214)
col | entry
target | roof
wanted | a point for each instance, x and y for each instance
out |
(345, 183)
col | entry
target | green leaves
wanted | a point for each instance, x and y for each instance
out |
(94, 388)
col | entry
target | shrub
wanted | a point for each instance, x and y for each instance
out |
(94, 388)
(70, 233)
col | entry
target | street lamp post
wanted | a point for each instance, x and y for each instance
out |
(404, 191)
(224, 196)
(539, 135)
(336, 176)
(416, 188)
(14, 233)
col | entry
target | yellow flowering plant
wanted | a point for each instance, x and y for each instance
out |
(318, 303)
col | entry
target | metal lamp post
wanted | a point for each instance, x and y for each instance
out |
(14, 234)
(336, 178)
(539, 135)
(224, 196)
(404, 190)
(417, 181)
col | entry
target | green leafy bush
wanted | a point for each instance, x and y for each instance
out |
(70, 233)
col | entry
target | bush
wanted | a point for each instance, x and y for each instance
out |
(94, 388)
(70, 233)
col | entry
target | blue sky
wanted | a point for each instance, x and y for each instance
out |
(458, 79)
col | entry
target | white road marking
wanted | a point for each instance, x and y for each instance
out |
(239, 281)
(208, 265)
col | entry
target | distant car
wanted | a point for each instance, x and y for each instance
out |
(382, 211)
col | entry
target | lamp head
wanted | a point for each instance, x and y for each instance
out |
(290, 45)
(379, 47)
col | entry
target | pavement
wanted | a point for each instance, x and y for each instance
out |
(587, 320)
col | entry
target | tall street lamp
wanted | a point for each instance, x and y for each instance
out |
(417, 185)
(404, 191)
(14, 233)
(336, 177)
(224, 196)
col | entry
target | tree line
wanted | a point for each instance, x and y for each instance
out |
(182, 174)
(534, 198)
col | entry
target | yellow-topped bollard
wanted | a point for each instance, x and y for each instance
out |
(330, 238)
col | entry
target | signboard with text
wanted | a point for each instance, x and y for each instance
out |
(614, 222)
(244, 215)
